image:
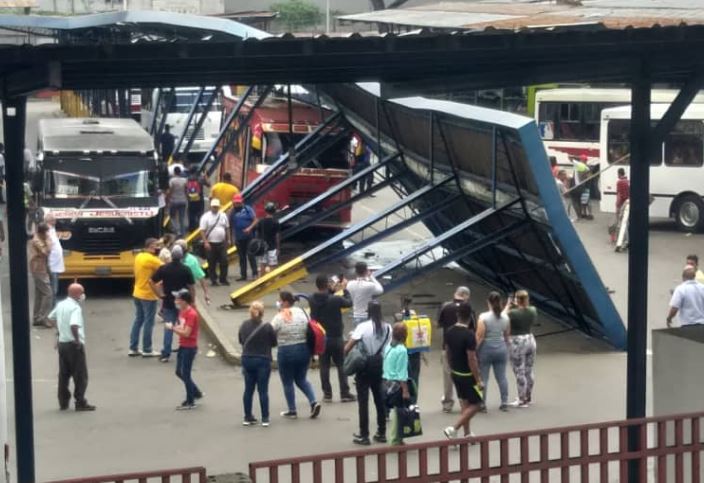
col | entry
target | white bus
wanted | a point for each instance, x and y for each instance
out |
(676, 170)
(178, 115)
(570, 118)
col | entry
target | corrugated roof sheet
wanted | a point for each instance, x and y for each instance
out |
(516, 15)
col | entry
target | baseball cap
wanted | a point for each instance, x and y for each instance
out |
(583, 157)
(237, 198)
(215, 202)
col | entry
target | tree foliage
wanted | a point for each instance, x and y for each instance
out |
(297, 14)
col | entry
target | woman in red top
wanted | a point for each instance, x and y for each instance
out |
(187, 331)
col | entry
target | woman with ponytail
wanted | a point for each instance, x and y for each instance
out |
(493, 330)
(375, 334)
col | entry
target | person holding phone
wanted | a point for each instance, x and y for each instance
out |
(396, 370)
(187, 331)
(363, 289)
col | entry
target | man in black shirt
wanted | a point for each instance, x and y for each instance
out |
(270, 232)
(170, 278)
(167, 143)
(447, 317)
(460, 345)
(326, 308)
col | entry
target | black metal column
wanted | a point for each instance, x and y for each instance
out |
(14, 112)
(638, 260)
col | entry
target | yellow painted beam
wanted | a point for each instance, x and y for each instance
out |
(279, 277)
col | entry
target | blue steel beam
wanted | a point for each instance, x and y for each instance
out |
(199, 123)
(332, 192)
(189, 118)
(263, 181)
(226, 126)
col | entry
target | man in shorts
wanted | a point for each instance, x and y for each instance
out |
(460, 346)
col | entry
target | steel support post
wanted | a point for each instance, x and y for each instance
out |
(638, 262)
(155, 106)
(14, 114)
(189, 119)
(199, 123)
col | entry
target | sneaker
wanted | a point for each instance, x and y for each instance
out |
(241, 279)
(265, 423)
(327, 399)
(151, 354)
(504, 408)
(315, 410)
(200, 395)
(515, 403)
(379, 438)
(85, 407)
(184, 406)
(524, 405)
(213, 283)
(361, 440)
(163, 359)
(289, 414)
(132, 353)
(225, 283)
(249, 422)
(450, 432)
(348, 398)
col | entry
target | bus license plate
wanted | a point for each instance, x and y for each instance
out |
(103, 271)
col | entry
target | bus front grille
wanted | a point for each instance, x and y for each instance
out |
(102, 245)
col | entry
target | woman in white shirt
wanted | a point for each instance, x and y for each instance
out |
(291, 327)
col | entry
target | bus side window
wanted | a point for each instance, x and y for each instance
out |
(684, 146)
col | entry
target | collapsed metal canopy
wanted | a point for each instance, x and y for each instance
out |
(523, 236)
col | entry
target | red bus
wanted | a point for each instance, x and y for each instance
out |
(267, 136)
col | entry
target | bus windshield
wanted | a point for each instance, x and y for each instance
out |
(185, 99)
(59, 184)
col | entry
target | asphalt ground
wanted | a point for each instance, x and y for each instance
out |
(136, 427)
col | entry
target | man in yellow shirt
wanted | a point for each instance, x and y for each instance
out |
(224, 190)
(145, 300)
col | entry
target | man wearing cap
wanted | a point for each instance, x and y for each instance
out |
(243, 221)
(193, 264)
(170, 278)
(447, 317)
(215, 233)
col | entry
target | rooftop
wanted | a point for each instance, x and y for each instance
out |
(527, 14)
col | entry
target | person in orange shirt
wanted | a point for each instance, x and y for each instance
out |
(145, 300)
(224, 190)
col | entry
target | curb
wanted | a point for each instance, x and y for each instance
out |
(225, 347)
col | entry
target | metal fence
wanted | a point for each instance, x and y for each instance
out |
(670, 451)
(181, 475)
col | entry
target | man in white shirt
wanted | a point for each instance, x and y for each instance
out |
(363, 290)
(178, 200)
(688, 300)
(56, 257)
(215, 233)
(70, 325)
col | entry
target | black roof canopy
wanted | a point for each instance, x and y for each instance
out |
(147, 49)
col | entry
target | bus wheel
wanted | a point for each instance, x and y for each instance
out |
(689, 213)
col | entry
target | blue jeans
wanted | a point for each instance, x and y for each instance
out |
(494, 354)
(293, 366)
(256, 372)
(177, 211)
(169, 315)
(184, 366)
(54, 281)
(144, 313)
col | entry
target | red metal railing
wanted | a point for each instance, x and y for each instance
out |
(181, 475)
(670, 451)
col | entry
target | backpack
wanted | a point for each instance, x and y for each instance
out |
(315, 337)
(193, 190)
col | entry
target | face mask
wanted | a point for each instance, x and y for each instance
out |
(82, 298)
(278, 305)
